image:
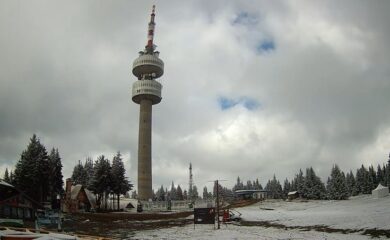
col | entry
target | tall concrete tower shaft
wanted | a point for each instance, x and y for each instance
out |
(146, 92)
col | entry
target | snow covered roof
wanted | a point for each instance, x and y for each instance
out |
(244, 191)
(380, 187)
(6, 184)
(292, 193)
(124, 202)
(75, 190)
(91, 197)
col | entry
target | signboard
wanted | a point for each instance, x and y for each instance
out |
(204, 215)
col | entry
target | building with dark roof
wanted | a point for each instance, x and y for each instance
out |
(14, 204)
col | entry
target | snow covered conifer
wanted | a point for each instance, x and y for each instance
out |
(119, 183)
(351, 184)
(173, 192)
(274, 187)
(286, 187)
(55, 174)
(205, 193)
(32, 170)
(101, 183)
(300, 182)
(336, 186)
(88, 170)
(373, 180)
(379, 175)
(179, 193)
(6, 176)
(195, 194)
(314, 188)
(78, 174)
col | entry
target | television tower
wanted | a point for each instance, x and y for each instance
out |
(146, 92)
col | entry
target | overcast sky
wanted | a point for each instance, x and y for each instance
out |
(250, 89)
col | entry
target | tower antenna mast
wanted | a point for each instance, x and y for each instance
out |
(149, 46)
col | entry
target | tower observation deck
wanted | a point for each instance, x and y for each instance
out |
(146, 92)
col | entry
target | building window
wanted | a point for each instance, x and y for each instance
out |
(27, 213)
(20, 212)
(14, 212)
(7, 211)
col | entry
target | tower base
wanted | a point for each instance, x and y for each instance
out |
(145, 151)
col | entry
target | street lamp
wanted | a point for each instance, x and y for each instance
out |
(59, 228)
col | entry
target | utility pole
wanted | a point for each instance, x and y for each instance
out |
(216, 183)
(219, 224)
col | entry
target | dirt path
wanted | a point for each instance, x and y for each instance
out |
(113, 225)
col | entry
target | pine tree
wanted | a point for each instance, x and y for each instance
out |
(195, 194)
(32, 171)
(286, 187)
(79, 175)
(119, 183)
(205, 193)
(258, 185)
(313, 188)
(102, 180)
(6, 176)
(249, 185)
(179, 193)
(336, 186)
(293, 185)
(274, 188)
(364, 181)
(379, 175)
(173, 192)
(55, 177)
(239, 185)
(351, 184)
(372, 176)
(387, 172)
(12, 178)
(88, 171)
(300, 182)
(160, 194)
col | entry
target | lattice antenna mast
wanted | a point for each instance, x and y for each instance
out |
(191, 182)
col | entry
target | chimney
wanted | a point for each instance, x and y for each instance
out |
(68, 186)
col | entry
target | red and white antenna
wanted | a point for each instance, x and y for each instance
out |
(149, 46)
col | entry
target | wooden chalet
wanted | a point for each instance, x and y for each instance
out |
(14, 204)
(78, 198)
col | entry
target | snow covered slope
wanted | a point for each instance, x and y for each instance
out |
(361, 212)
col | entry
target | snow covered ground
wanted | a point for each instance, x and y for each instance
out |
(207, 232)
(361, 212)
(358, 213)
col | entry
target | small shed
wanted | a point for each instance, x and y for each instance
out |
(380, 191)
(293, 195)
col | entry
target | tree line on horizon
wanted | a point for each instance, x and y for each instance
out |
(39, 175)
(339, 186)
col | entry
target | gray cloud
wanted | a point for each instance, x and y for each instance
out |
(65, 74)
